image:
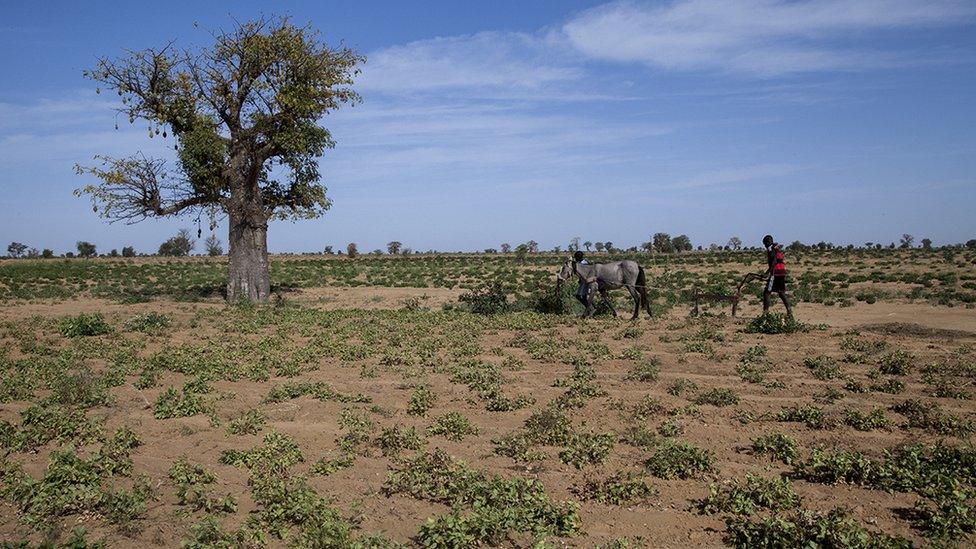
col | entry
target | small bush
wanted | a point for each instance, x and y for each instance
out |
(188, 402)
(676, 459)
(681, 385)
(489, 299)
(835, 528)
(812, 416)
(248, 422)
(718, 397)
(552, 300)
(84, 325)
(897, 363)
(623, 487)
(148, 323)
(485, 508)
(452, 426)
(326, 467)
(421, 401)
(875, 419)
(193, 488)
(775, 323)
(831, 467)
(587, 449)
(647, 407)
(778, 446)
(823, 367)
(517, 446)
(549, 427)
(948, 513)
(646, 371)
(931, 416)
(748, 497)
(394, 440)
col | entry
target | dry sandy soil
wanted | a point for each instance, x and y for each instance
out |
(663, 520)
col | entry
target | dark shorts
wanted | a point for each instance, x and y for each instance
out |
(776, 284)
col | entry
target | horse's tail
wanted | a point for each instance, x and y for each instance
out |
(642, 288)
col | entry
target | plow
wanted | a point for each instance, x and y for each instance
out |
(699, 296)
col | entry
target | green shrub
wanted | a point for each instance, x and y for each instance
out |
(84, 325)
(896, 363)
(549, 427)
(778, 446)
(394, 440)
(681, 385)
(823, 367)
(421, 401)
(749, 496)
(890, 386)
(185, 403)
(489, 299)
(754, 364)
(452, 426)
(775, 323)
(833, 466)
(875, 419)
(620, 488)
(718, 397)
(40, 425)
(148, 323)
(931, 416)
(552, 300)
(193, 488)
(647, 407)
(948, 511)
(326, 467)
(835, 528)
(587, 449)
(318, 389)
(281, 448)
(812, 416)
(71, 484)
(517, 446)
(485, 508)
(248, 422)
(678, 459)
(646, 371)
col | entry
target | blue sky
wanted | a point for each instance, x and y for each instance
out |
(491, 122)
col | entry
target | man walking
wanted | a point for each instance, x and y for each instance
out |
(776, 273)
(582, 292)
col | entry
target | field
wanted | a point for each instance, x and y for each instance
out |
(368, 406)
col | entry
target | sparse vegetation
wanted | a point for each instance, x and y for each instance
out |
(541, 404)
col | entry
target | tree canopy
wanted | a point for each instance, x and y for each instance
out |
(250, 102)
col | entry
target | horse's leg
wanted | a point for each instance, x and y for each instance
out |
(608, 301)
(637, 301)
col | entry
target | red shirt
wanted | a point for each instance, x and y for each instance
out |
(775, 258)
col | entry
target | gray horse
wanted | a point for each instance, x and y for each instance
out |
(602, 277)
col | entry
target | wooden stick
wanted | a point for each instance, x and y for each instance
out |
(738, 290)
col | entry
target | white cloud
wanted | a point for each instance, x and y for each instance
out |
(475, 142)
(82, 108)
(507, 60)
(728, 176)
(762, 37)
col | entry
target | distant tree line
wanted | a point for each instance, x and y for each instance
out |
(183, 243)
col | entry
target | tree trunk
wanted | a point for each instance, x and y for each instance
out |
(249, 278)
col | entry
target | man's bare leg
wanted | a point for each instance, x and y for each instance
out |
(786, 302)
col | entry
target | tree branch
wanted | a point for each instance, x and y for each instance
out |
(138, 187)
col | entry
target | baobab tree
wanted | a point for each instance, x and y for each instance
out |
(245, 115)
